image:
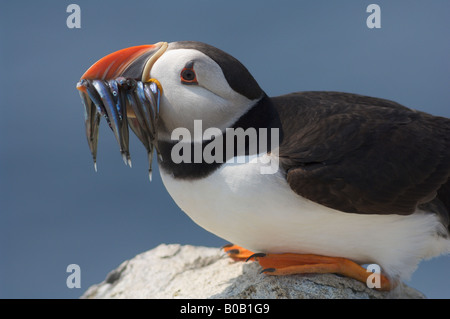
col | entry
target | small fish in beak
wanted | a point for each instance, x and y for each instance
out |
(119, 89)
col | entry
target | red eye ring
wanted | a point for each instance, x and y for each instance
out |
(188, 75)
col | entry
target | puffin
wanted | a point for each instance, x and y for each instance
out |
(321, 182)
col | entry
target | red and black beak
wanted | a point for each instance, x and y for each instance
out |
(119, 88)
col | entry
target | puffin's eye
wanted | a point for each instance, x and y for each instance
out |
(188, 75)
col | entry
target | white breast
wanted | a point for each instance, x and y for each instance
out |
(261, 213)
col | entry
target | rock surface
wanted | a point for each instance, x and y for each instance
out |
(175, 271)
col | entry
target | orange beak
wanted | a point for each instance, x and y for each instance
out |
(134, 62)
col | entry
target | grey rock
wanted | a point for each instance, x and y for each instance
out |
(175, 271)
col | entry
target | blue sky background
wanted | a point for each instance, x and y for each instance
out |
(55, 210)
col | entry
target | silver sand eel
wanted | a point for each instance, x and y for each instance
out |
(111, 99)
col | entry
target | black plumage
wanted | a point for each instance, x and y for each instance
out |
(359, 154)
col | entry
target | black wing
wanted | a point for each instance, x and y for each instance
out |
(364, 155)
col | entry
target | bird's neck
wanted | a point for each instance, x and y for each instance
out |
(196, 160)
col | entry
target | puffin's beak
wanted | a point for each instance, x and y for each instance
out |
(119, 88)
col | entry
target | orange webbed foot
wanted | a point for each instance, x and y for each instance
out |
(289, 264)
(237, 253)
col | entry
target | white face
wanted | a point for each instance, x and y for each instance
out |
(211, 100)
